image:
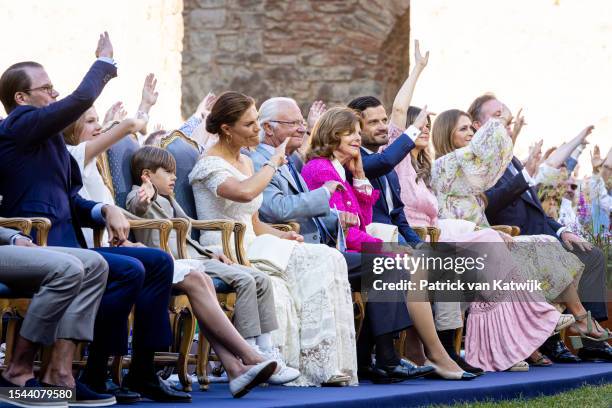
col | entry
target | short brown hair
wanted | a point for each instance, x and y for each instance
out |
(13, 80)
(475, 109)
(151, 158)
(442, 131)
(227, 110)
(331, 126)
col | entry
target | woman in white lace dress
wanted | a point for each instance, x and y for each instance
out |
(311, 288)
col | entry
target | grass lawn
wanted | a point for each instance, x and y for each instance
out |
(587, 396)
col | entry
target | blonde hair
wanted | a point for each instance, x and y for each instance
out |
(71, 133)
(442, 136)
(442, 131)
(332, 125)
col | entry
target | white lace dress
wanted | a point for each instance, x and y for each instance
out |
(316, 333)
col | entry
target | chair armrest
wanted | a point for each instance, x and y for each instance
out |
(421, 232)
(163, 226)
(503, 228)
(181, 226)
(22, 224)
(290, 226)
(434, 233)
(239, 231)
(226, 227)
(42, 227)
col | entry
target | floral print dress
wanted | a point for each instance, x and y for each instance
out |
(459, 180)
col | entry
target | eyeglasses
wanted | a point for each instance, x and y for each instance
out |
(46, 88)
(295, 123)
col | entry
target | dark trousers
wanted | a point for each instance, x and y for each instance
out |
(139, 277)
(381, 317)
(592, 287)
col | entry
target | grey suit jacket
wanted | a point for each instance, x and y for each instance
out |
(156, 211)
(283, 202)
(6, 234)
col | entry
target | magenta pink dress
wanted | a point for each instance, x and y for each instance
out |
(499, 334)
(320, 170)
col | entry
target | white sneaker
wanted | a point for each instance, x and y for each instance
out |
(285, 373)
(258, 374)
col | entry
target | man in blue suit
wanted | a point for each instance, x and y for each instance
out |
(379, 167)
(39, 178)
(514, 201)
(287, 198)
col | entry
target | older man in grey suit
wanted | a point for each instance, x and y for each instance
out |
(287, 198)
(67, 285)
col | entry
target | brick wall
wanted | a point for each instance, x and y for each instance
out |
(306, 49)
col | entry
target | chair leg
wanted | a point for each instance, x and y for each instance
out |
(202, 361)
(458, 336)
(12, 331)
(402, 344)
(187, 332)
(116, 369)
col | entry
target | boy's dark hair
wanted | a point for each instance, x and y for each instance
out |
(364, 102)
(152, 158)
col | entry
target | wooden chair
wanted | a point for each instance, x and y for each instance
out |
(114, 166)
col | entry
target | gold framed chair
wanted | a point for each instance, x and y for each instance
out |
(181, 316)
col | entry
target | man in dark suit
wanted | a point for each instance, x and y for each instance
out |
(38, 177)
(514, 201)
(379, 166)
(287, 198)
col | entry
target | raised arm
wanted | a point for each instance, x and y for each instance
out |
(37, 125)
(104, 141)
(558, 157)
(139, 202)
(248, 189)
(404, 95)
(148, 99)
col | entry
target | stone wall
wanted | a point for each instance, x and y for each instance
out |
(306, 49)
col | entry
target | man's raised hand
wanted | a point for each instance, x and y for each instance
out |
(105, 47)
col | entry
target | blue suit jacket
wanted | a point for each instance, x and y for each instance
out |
(509, 204)
(376, 176)
(38, 177)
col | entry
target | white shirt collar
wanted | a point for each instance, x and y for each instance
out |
(339, 168)
(368, 151)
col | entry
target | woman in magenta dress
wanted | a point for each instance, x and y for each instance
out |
(334, 154)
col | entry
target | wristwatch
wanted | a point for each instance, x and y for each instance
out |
(271, 164)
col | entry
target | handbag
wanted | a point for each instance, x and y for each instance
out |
(385, 232)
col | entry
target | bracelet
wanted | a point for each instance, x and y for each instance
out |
(271, 164)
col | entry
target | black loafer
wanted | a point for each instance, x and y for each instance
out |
(595, 351)
(558, 352)
(406, 370)
(156, 390)
(123, 395)
(376, 376)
